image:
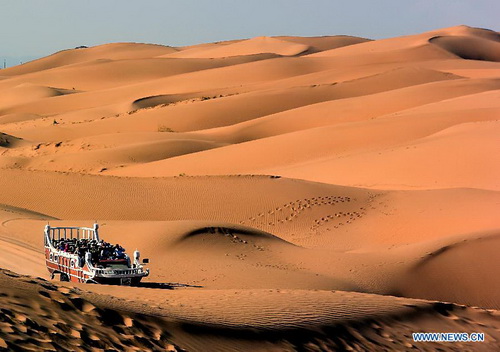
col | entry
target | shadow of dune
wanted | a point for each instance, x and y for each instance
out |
(232, 231)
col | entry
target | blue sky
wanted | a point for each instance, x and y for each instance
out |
(34, 28)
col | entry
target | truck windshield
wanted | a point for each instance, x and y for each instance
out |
(111, 265)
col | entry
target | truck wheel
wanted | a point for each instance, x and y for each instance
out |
(63, 277)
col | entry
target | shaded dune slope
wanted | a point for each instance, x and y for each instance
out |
(459, 265)
(470, 48)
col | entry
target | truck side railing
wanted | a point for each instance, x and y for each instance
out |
(90, 233)
(58, 233)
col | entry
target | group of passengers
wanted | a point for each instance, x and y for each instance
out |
(99, 250)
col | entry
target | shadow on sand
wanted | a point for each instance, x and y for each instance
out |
(164, 285)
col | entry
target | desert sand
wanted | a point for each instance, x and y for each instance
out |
(322, 193)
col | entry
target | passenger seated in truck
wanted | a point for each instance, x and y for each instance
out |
(119, 252)
(80, 251)
(104, 253)
(94, 251)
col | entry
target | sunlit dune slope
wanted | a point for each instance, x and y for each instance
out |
(115, 51)
(317, 236)
(301, 116)
(246, 47)
(106, 73)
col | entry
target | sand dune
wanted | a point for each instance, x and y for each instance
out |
(341, 147)
(291, 193)
(13, 118)
(317, 44)
(258, 45)
(458, 162)
(39, 315)
(7, 141)
(107, 73)
(312, 220)
(211, 82)
(62, 317)
(347, 110)
(215, 111)
(29, 92)
(112, 157)
(115, 51)
(470, 48)
(454, 269)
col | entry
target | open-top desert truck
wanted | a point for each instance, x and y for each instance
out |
(77, 254)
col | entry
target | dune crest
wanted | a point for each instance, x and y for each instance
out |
(114, 51)
(257, 45)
